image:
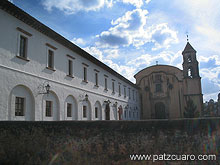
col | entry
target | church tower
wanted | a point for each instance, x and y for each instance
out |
(191, 78)
(190, 63)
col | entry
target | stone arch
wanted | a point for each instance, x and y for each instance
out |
(107, 112)
(50, 104)
(71, 106)
(87, 115)
(115, 112)
(125, 113)
(98, 108)
(160, 112)
(120, 112)
(21, 104)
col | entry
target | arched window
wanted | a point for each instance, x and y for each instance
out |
(98, 111)
(190, 72)
(21, 104)
(189, 59)
(71, 108)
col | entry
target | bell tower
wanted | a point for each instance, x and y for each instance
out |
(191, 78)
(190, 63)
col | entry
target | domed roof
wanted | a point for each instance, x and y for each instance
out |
(167, 69)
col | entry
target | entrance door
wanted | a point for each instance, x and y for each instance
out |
(107, 112)
(160, 112)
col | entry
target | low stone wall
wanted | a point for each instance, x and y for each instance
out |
(111, 142)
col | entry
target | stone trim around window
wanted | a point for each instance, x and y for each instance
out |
(51, 46)
(24, 31)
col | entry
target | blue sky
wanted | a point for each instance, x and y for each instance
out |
(129, 35)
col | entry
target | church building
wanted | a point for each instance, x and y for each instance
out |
(166, 91)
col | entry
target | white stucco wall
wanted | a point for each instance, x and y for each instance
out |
(33, 74)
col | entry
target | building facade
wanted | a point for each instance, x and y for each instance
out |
(168, 92)
(45, 77)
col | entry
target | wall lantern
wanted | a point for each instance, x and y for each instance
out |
(107, 101)
(44, 89)
(86, 98)
(47, 88)
(83, 97)
(115, 104)
(126, 106)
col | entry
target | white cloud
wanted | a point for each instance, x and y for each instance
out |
(136, 3)
(202, 18)
(125, 70)
(78, 41)
(143, 60)
(73, 6)
(162, 36)
(132, 29)
(147, 1)
(146, 60)
(94, 51)
(124, 29)
(111, 53)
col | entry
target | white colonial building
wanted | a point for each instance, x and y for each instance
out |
(45, 77)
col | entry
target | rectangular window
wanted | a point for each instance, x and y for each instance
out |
(85, 74)
(136, 96)
(113, 87)
(125, 113)
(50, 59)
(119, 89)
(69, 110)
(129, 114)
(158, 88)
(124, 92)
(84, 111)
(129, 93)
(48, 108)
(96, 79)
(70, 67)
(23, 47)
(133, 94)
(106, 85)
(96, 112)
(19, 106)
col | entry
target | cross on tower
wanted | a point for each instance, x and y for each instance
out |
(187, 36)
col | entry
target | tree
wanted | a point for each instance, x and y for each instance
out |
(190, 109)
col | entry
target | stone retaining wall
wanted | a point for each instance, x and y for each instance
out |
(111, 142)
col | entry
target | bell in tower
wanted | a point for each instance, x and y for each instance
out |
(190, 63)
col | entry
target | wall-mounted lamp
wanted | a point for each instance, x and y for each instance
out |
(107, 101)
(44, 89)
(115, 104)
(83, 97)
(126, 106)
(86, 98)
(47, 87)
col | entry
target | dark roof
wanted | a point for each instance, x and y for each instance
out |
(34, 23)
(188, 48)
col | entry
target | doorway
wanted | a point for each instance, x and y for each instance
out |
(160, 112)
